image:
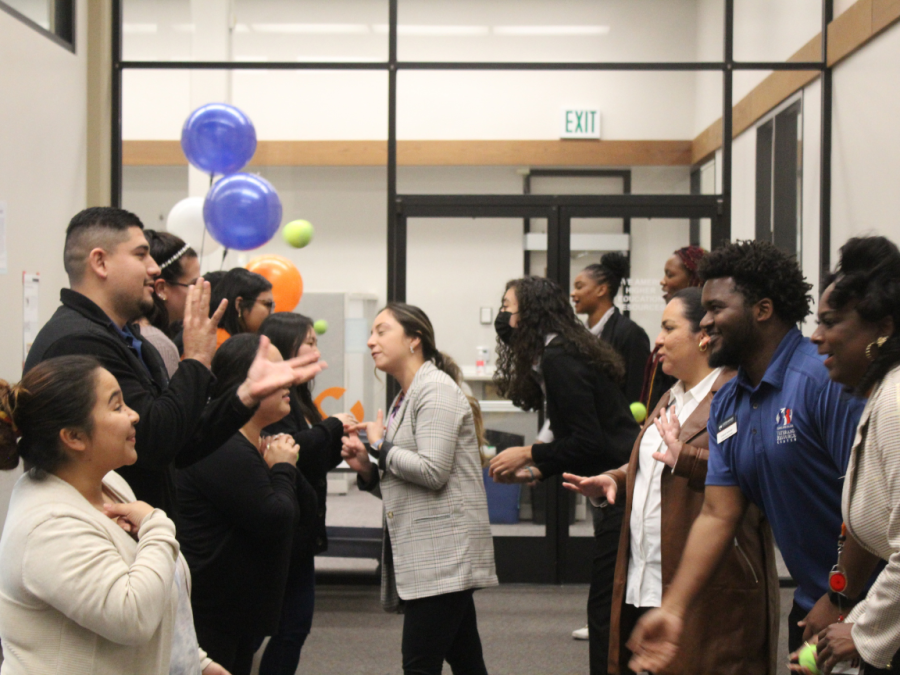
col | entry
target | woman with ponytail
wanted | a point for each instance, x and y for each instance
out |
(593, 293)
(91, 580)
(438, 547)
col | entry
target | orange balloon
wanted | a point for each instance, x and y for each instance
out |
(287, 284)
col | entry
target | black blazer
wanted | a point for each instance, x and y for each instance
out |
(179, 424)
(633, 345)
(320, 452)
(593, 427)
(237, 525)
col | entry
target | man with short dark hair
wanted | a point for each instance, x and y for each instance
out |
(111, 274)
(780, 436)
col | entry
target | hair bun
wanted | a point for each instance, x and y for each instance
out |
(616, 263)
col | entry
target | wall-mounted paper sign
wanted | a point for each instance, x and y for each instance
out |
(580, 123)
(30, 318)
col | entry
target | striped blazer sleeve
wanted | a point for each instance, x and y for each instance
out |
(437, 415)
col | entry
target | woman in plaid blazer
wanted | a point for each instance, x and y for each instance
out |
(859, 319)
(437, 538)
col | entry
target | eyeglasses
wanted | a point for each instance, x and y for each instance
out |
(178, 283)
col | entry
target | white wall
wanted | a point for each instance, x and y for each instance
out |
(42, 172)
(866, 158)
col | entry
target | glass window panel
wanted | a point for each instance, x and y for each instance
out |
(561, 31)
(773, 30)
(344, 269)
(457, 269)
(515, 105)
(255, 30)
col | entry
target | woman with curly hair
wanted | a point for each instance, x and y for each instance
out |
(548, 359)
(859, 315)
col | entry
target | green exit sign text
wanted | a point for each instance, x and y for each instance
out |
(580, 123)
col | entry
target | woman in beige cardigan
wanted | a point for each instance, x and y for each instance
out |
(87, 574)
(859, 317)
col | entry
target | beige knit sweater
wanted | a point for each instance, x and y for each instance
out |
(871, 509)
(77, 594)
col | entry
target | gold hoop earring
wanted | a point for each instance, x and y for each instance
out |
(871, 353)
(703, 346)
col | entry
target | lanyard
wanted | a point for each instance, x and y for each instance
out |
(393, 413)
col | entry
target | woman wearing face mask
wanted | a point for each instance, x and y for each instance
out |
(547, 358)
(91, 581)
(662, 487)
(679, 272)
(859, 315)
(320, 438)
(438, 547)
(250, 301)
(238, 507)
(179, 270)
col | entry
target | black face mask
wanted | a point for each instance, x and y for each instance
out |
(501, 325)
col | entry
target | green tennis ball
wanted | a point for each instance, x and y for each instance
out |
(320, 326)
(639, 410)
(807, 658)
(298, 233)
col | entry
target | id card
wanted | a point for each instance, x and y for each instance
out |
(727, 429)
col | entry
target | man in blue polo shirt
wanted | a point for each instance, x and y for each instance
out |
(780, 436)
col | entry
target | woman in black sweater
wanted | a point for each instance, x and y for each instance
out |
(546, 357)
(241, 504)
(319, 439)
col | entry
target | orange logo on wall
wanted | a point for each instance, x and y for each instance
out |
(336, 393)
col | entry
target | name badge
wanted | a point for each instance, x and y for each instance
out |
(727, 429)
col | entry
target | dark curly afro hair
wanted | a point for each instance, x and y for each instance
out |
(868, 278)
(761, 270)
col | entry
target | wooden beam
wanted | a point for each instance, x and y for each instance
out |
(850, 31)
(435, 153)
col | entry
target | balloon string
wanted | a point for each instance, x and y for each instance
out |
(203, 238)
(224, 253)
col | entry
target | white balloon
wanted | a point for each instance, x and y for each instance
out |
(186, 221)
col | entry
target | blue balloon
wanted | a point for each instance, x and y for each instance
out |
(242, 211)
(218, 138)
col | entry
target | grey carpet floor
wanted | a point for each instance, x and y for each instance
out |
(525, 630)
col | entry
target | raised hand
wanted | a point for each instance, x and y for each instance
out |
(281, 449)
(199, 327)
(374, 430)
(355, 454)
(266, 377)
(655, 640)
(509, 461)
(669, 428)
(596, 487)
(128, 516)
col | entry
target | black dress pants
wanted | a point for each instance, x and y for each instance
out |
(439, 628)
(607, 527)
(231, 649)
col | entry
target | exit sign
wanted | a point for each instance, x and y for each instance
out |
(580, 123)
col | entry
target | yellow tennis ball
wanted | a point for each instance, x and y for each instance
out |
(320, 326)
(298, 233)
(807, 658)
(639, 410)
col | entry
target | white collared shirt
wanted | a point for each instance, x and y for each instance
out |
(598, 327)
(644, 586)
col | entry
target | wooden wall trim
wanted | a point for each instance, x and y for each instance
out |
(435, 153)
(850, 31)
